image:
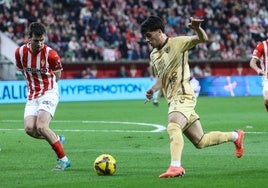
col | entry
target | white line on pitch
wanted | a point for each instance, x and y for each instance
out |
(158, 128)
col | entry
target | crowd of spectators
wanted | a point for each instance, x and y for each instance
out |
(86, 30)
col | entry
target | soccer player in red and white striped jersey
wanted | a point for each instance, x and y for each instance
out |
(259, 63)
(41, 66)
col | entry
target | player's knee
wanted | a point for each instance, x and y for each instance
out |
(41, 130)
(202, 143)
(31, 131)
(173, 128)
(28, 129)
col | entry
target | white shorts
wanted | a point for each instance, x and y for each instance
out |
(265, 85)
(47, 102)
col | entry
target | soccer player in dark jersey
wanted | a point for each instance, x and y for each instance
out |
(169, 59)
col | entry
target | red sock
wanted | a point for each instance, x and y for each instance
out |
(57, 147)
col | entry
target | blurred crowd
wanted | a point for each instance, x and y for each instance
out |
(86, 30)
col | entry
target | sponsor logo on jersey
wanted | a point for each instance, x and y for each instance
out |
(34, 70)
(167, 50)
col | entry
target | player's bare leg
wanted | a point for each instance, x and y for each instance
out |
(38, 127)
(30, 127)
(42, 125)
(52, 138)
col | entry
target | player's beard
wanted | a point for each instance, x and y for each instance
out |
(36, 48)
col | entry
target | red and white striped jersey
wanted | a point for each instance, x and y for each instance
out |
(38, 69)
(261, 53)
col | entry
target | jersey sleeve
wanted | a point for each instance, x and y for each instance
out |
(17, 58)
(258, 51)
(54, 61)
(153, 67)
(184, 42)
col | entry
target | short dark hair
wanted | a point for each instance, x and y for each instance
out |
(152, 23)
(36, 29)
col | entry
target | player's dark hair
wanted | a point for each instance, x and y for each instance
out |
(152, 23)
(37, 29)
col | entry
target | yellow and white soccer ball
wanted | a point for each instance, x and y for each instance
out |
(105, 165)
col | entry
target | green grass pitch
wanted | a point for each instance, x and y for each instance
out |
(133, 133)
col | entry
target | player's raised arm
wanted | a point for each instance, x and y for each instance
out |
(201, 35)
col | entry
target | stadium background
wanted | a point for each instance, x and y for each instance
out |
(104, 35)
(27, 163)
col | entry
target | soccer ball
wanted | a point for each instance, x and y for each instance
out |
(105, 164)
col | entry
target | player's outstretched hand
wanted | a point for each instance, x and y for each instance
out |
(195, 22)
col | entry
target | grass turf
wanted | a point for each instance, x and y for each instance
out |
(94, 128)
